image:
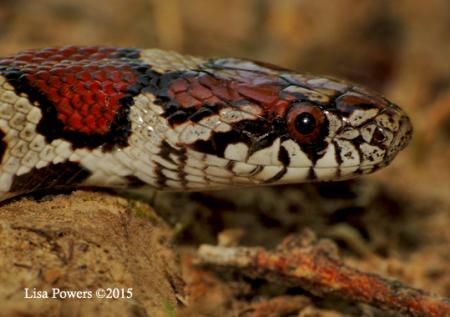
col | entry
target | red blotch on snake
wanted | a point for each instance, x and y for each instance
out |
(84, 88)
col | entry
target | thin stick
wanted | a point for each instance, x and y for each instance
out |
(313, 265)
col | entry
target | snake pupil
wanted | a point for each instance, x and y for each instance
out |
(305, 123)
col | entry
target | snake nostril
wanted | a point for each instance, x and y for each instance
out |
(379, 136)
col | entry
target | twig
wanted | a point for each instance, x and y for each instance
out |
(314, 265)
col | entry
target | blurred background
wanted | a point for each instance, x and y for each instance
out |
(400, 48)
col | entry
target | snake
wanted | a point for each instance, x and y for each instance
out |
(90, 116)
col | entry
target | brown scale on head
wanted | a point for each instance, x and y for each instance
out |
(200, 89)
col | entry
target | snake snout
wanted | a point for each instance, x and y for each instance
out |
(404, 134)
(401, 135)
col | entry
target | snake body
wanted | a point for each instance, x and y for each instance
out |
(111, 117)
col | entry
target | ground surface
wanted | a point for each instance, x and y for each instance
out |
(394, 223)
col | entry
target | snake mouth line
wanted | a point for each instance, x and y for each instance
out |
(331, 166)
(363, 166)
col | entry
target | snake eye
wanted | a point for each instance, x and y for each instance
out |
(305, 122)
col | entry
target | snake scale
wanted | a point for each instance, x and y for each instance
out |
(113, 117)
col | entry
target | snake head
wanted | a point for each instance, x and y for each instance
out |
(236, 122)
